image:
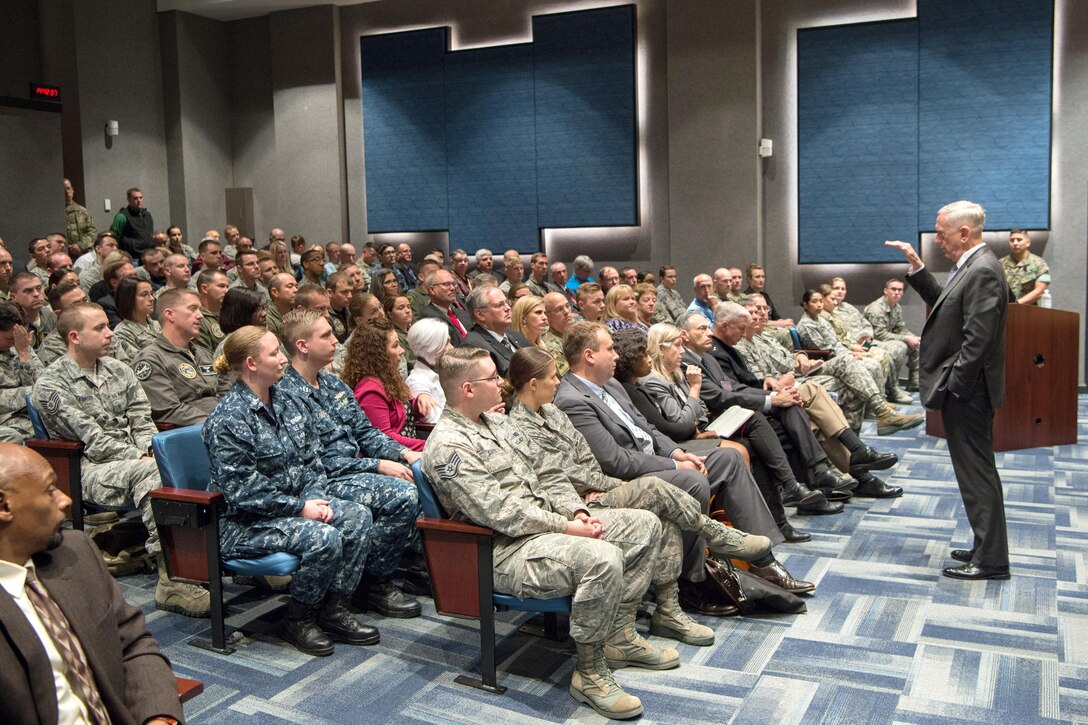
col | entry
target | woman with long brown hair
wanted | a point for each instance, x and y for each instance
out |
(370, 369)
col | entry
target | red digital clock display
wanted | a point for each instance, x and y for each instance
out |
(45, 93)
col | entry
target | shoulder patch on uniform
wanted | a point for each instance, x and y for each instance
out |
(217, 331)
(449, 468)
(142, 370)
(187, 371)
(52, 404)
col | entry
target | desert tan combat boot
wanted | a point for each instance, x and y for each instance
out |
(188, 599)
(595, 685)
(625, 647)
(671, 621)
(728, 543)
(889, 421)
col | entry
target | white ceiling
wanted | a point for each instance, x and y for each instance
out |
(238, 9)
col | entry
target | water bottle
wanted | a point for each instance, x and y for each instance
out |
(1046, 300)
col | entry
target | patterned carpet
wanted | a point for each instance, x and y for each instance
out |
(886, 638)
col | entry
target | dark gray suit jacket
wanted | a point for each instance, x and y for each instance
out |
(479, 337)
(134, 679)
(963, 341)
(619, 454)
(432, 311)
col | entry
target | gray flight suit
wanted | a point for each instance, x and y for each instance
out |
(181, 384)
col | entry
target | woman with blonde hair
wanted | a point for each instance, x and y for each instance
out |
(621, 309)
(371, 370)
(528, 318)
(274, 487)
(281, 255)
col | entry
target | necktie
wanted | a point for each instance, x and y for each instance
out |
(60, 631)
(455, 322)
(637, 433)
(952, 273)
(509, 345)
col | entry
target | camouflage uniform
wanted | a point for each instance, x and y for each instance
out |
(480, 476)
(38, 272)
(273, 318)
(1022, 276)
(181, 385)
(670, 305)
(887, 322)
(257, 287)
(858, 327)
(91, 276)
(80, 228)
(52, 347)
(107, 411)
(819, 334)
(129, 338)
(211, 334)
(765, 357)
(874, 354)
(16, 379)
(350, 450)
(265, 463)
(553, 343)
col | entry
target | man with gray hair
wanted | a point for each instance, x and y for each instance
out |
(583, 272)
(490, 313)
(485, 263)
(962, 370)
(442, 294)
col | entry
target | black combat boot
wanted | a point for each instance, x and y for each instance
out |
(340, 624)
(300, 629)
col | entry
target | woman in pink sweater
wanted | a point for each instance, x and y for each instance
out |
(370, 368)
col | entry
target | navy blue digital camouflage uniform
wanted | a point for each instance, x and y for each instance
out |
(265, 462)
(351, 448)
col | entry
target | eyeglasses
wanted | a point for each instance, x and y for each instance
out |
(499, 305)
(493, 379)
(444, 284)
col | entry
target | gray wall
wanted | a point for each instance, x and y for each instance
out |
(31, 197)
(253, 134)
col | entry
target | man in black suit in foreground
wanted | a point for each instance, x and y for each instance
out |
(962, 366)
(70, 646)
(490, 313)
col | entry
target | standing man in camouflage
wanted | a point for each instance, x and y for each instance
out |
(19, 368)
(886, 317)
(212, 286)
(362, 464)
(1027, 274)
(80, 230)
(547, 543)
(177, 376)
(89, 397)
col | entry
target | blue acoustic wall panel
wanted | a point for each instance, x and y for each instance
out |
(492, 160)
(493, 144)
(586, 122)
(404, 114)
(985, 75)
(857, 131)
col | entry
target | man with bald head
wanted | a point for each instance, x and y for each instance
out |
(90, 397)
(178, 274)
(72, 649)
(608, 278)
(560, 317)
(723, 283)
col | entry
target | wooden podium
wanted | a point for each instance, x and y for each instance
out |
(1041, 363)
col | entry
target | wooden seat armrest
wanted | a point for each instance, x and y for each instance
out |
(186, 495)
(455, 527)
(188, 688)
(54, 444)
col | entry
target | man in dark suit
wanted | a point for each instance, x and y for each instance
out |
(962, 368)
(442, 290)
(70, 646)
(627, 446)
(490, 313)
(782, 409)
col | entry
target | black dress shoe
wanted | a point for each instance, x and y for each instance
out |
(974, 573)
(792, 535)
(870, 459)
(384, 598)
(795, 493)
(697, 597)
(834, 482)
(821, 509)
(964, 555)
(869, 486)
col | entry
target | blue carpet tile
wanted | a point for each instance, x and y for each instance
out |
(886, 638)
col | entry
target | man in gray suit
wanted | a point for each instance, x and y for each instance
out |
(962, 366)
(627, 446)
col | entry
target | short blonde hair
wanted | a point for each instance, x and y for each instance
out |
(613, 296)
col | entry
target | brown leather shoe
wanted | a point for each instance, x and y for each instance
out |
(694, 597)
(775, 573)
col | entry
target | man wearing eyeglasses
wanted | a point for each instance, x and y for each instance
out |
(560, 317)
(442, 291)
(490, 313)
